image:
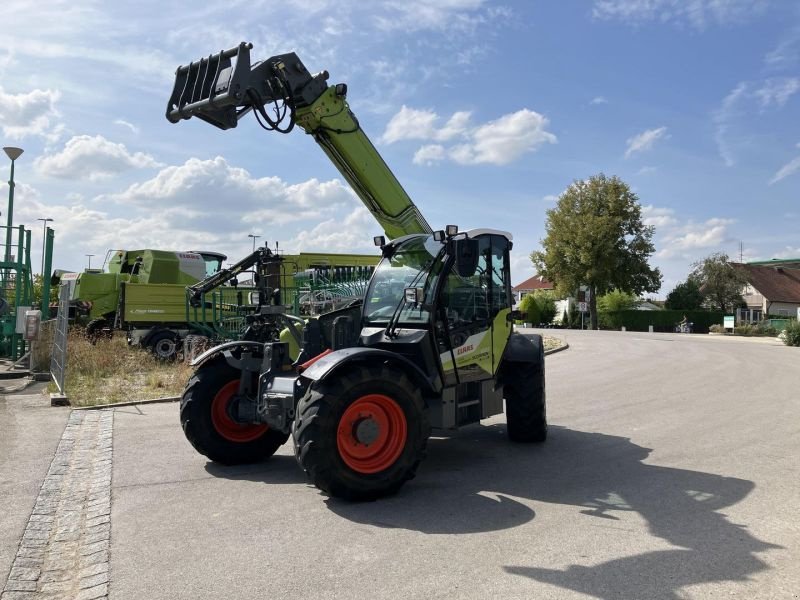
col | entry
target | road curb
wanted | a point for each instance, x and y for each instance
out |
(131, 403)
(554, 350)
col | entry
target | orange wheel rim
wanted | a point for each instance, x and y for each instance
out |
(372, 434)
(227, 427)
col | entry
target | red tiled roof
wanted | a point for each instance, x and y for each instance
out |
(537, 282)
(776, 284)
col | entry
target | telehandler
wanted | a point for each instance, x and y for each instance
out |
(430, 346)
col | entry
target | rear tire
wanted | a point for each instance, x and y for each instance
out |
(209, 428)
(336, 416)
(526, 410)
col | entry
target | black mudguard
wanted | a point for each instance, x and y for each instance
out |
(333, 363)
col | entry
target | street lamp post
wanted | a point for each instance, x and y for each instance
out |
(254, 239)
(89, 256)
(44, 241)
(13, 154)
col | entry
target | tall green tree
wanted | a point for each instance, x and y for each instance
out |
(721, 283)
(685, 296)
(596, 237)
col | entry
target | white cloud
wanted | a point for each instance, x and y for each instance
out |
(599, 100)
(697, 13)
(216, 191)
(414, 124)
(694, 236)
(646, 170)
(658, 217)
(788, 169)
(737, 107)
(788, 252)
(30, 113)
(549, 199)
(502, 141)
(133, 128)
(777, 91)
(205, 204)
(645, 140)
(786, 53)
(723, 117)
(497, 142)
(416, 15)
(92, 158)
(429, 154)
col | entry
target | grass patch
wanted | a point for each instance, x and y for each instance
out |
(111, 371)
(551, 343)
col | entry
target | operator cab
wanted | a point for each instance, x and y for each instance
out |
(442, 302)
(212, 260)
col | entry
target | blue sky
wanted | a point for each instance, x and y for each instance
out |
(486, 111)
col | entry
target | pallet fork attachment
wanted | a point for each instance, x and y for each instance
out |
(223, 87)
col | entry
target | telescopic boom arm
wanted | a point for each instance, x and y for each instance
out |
(224, 87)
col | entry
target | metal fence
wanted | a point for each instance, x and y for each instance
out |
(58, 360)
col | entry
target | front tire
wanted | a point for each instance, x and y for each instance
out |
(210, 429)
(362, 434)
(526, 409)
(164, 345)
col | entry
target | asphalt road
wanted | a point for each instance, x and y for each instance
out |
(671, 472)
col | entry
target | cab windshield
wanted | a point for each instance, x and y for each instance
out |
(416, 263)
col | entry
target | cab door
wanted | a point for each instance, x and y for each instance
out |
(471, 326)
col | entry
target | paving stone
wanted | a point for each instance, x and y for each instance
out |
(18, 596)
(56, 586)
(32, 563)
(15, 585)
(94, 580)
(65, 544)
(53, 575)
(98, 520)
(95, 547)
(93, 570)
(93, 559)
(93, 593)
(24, 573)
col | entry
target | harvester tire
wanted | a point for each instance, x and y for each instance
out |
(164, 345)
(98, 329)
(210, 429)
(361, 434)
(526, 410)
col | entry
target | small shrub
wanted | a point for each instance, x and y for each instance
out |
(791, 335)
(716, 328)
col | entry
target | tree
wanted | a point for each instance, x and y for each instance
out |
(722, 283)
(546, 302)
(596, 237)
(685, 296)
(530, 308)
(616, 300)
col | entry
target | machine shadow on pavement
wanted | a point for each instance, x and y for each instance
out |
(475, 480)
(277, 469)
(469, 483)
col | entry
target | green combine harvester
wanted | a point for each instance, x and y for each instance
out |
(144, 293)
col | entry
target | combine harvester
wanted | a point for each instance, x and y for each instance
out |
(144, 293)
(431, 345)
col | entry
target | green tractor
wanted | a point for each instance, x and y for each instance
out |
(430, 346)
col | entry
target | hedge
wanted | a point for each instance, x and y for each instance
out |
(661, 320)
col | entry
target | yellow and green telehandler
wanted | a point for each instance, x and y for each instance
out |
(431, 345)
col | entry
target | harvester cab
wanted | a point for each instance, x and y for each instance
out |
(431, 344)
